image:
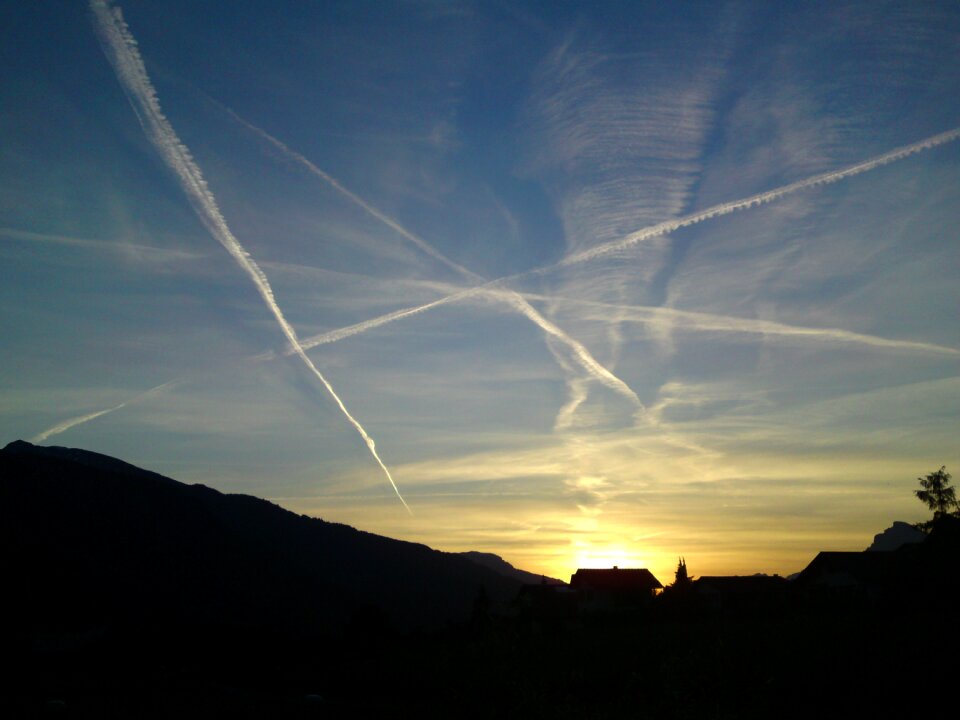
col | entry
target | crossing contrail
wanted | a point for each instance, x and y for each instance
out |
(520, 303)
(645, 314)
(578, 350)
(494, 287)
(120, 47)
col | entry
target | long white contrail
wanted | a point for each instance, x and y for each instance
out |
(581, 354)
(759, 199)
(350, 330)
(120, 48)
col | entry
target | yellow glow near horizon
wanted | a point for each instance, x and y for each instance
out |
(639, 504)
(589, 556)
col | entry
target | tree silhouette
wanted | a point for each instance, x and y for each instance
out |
(938, 495)
(681, 579)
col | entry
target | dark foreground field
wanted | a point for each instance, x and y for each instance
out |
(802, 665)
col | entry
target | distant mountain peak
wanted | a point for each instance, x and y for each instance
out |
(895, 537)
(497, 563)
(19, 446)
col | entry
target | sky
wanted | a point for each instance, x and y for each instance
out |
(580, 284)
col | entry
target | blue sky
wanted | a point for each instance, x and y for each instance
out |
(512, 245)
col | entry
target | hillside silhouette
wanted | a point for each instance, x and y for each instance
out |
(131, 544)
(129, 594)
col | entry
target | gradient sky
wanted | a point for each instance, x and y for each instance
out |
(744, 387)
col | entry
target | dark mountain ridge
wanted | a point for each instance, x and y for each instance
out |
(91, 541)
(498, 564)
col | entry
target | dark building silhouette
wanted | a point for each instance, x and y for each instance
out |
(847, 576)
(741, 593)
(546, 602)
(614, 589)
(913, 575)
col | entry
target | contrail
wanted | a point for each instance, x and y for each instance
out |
(350, 195)
(581, 354)
(759, 199)
(351, 330)
(80, 419)
(67, 424)
(120, 47)
(710, 322)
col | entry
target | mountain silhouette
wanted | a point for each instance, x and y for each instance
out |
(89, 541)
(895, 537)
(498, 564)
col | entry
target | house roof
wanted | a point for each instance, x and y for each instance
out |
(615, 579)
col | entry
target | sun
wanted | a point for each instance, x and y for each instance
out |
(609, 556)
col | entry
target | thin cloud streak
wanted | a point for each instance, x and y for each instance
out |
(118, 247)
(120, 47)
(582, 355)
(73, 422)
(81, 419)
(709, 322)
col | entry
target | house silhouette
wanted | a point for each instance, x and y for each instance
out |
(614, 589)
